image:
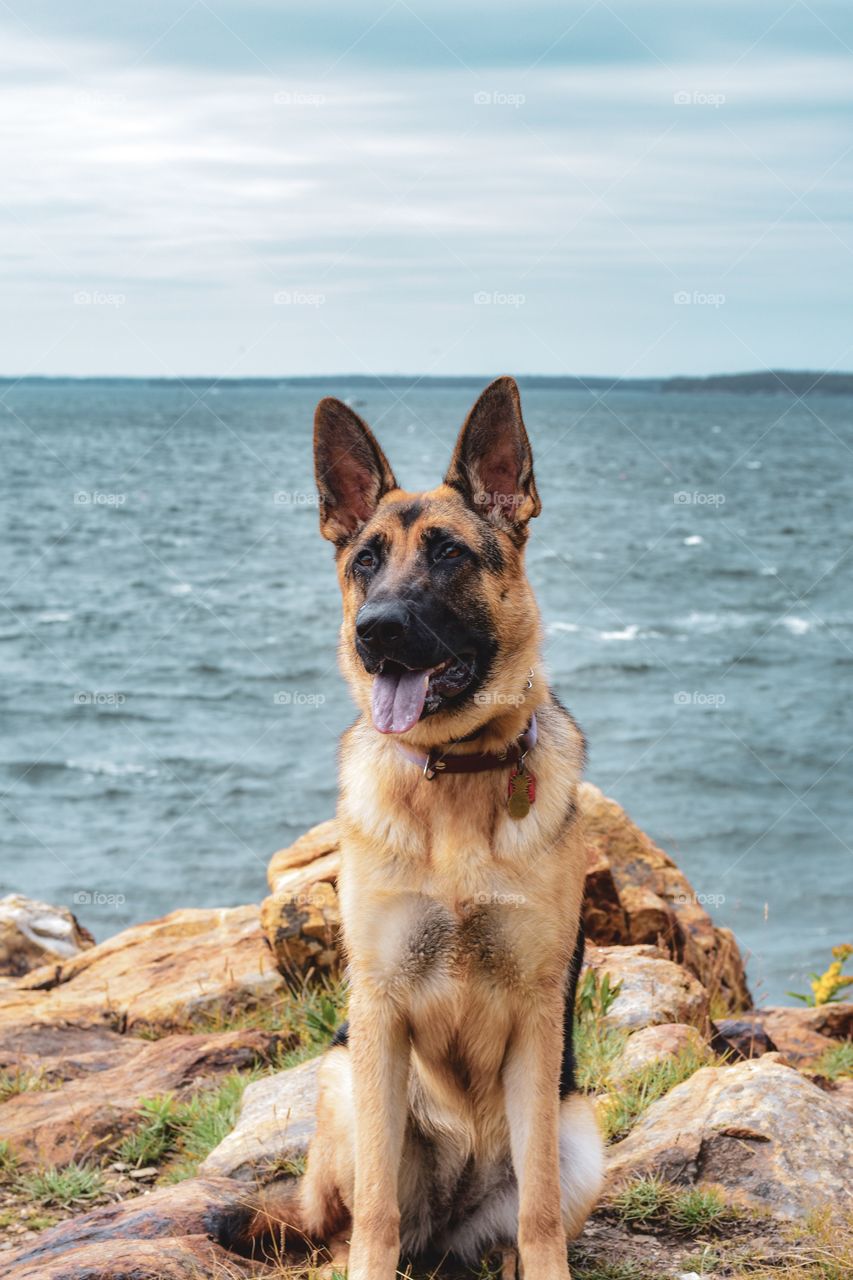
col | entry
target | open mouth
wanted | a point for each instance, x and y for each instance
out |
(402, 695)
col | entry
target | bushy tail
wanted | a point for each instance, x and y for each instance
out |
(270, 1224)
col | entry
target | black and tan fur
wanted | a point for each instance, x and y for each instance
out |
(447, 1118)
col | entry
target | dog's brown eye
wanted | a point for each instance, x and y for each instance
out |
(366, 560)
(451, 551)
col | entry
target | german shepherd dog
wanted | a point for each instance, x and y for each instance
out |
(447, 1117)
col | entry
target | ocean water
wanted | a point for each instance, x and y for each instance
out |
(170, 700)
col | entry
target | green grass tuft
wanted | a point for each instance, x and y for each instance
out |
(653, 1202)
(636, 1093)
(8, 1162)
(837, 1061)
(64, 1187)
(153, 1136)
(21, 1080)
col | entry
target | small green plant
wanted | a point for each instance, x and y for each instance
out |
(826, 987)
(611, 1271)
(837, 1061)
(699, 1210)
(21, 1080)
(596, 994)
(702, 1264)
(653, 1202)
(184, 1129)
(641, 1088)
(153, 1136)
(65, 1187)
(8, 1162)
(644, 1200)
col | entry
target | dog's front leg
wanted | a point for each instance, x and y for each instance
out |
(379, 1044)
(532, 1089)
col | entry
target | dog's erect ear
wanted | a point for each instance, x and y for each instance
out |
(352, 471)
(492, 464)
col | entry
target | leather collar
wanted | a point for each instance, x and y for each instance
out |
(437, 760)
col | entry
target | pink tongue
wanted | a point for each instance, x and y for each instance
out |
(398, 700)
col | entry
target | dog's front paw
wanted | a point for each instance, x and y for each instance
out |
(371, 1259)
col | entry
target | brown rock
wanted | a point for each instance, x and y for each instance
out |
(801, 1034)
(177, 1233)
(276, 1122)
(34, 933)
(316, 843)
(64, 1053)
(655, 1044)
(638, 864)
(89, 1114)
(604, 916)
(168, 974)
(302, 927)
(742, 1037)
(653, 989)
(759, 1129)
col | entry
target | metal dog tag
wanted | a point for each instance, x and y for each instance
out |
(521, 794)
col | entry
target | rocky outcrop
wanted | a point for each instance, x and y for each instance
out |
(652, 988)
(33, 933)
(90, 1034)
(276, 1123)
(171, 1234)
(759, 1129)
(635, 894)
(654, 1044)
(87, 1117)
(189, 966)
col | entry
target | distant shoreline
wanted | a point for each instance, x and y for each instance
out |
(770, 382)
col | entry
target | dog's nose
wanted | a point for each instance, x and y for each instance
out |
(380, 624)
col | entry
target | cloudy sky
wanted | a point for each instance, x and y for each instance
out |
(258, 187)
